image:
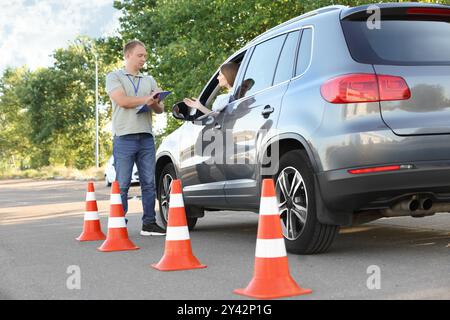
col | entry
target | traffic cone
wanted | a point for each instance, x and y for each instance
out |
(271, 278)
(91, 226)
(178, 251)
(117, 239)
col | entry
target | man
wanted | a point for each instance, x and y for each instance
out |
(133, 138)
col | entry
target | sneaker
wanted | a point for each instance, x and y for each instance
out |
(152, 229)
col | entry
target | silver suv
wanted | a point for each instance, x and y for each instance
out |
(347, 109)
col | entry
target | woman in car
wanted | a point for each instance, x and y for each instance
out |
(226, 77)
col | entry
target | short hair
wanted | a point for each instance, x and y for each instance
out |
(230, 70)
(130, 45)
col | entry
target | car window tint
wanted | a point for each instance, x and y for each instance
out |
(304, 52)
(285, 67)
(400, 42)
(261, 68)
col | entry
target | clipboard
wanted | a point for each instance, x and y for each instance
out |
(161, 95)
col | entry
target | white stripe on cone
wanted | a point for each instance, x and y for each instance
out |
(90, 196)
(115, 198)
(116, 222)
(270, 248)
(269, 206)
(91, 215)
(177, 233)
(176, 201)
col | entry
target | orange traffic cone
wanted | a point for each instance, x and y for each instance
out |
(117, 239)
(178, 252)
(91, 226)
(271, 278)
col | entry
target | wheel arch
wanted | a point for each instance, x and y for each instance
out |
(288, 142)
(292, 141)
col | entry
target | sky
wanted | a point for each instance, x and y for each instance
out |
(31, 30)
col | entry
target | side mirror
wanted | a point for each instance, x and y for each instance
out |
(181, 111)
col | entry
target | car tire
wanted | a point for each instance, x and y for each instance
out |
(168, 174)
(107, 183)
(295, 190)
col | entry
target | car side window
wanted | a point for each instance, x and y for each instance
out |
(261, 68)
(304, 52)
(285, 67)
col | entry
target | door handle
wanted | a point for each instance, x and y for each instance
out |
(267, 111)
(217, 126)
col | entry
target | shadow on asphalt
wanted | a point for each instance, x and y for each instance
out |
(364, 238)
(376, 238)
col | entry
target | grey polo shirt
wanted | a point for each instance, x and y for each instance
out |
(125, 120)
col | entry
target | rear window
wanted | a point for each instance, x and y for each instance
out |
(399, 42)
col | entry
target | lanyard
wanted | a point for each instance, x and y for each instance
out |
(136, 89)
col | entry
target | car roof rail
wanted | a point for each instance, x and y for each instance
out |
(301, 17)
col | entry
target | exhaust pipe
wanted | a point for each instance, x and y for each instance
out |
(426, 204)
(410, 205)
(415, 207)
(403, 208)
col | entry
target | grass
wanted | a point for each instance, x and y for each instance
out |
(56, 173)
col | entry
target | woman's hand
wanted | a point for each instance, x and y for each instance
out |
(194, 103)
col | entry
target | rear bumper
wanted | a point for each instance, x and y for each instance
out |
(345, 192)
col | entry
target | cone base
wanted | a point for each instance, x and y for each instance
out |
(245, 292)
(164, 268)
(175, 263)
(95, 236)
(117, 245)
(92, 231)
(281, 288)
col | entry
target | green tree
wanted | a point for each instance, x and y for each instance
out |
(61, 107)
(15, 147)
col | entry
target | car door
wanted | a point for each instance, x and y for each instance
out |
(203, 183)
(201, 150)
(250, 118)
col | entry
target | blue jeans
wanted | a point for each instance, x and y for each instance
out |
(127, 150)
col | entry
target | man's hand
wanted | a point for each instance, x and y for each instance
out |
(119, 96)
(151, 101)
(154, 103)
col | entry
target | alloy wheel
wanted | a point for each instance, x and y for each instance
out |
(292, 202)
(165, 195)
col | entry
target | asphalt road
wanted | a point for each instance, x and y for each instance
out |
(39, 221)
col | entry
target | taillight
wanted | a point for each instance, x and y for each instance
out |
(363, 87)
(428, 11)
(351, 88)
(393, 88)
(375, 169)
